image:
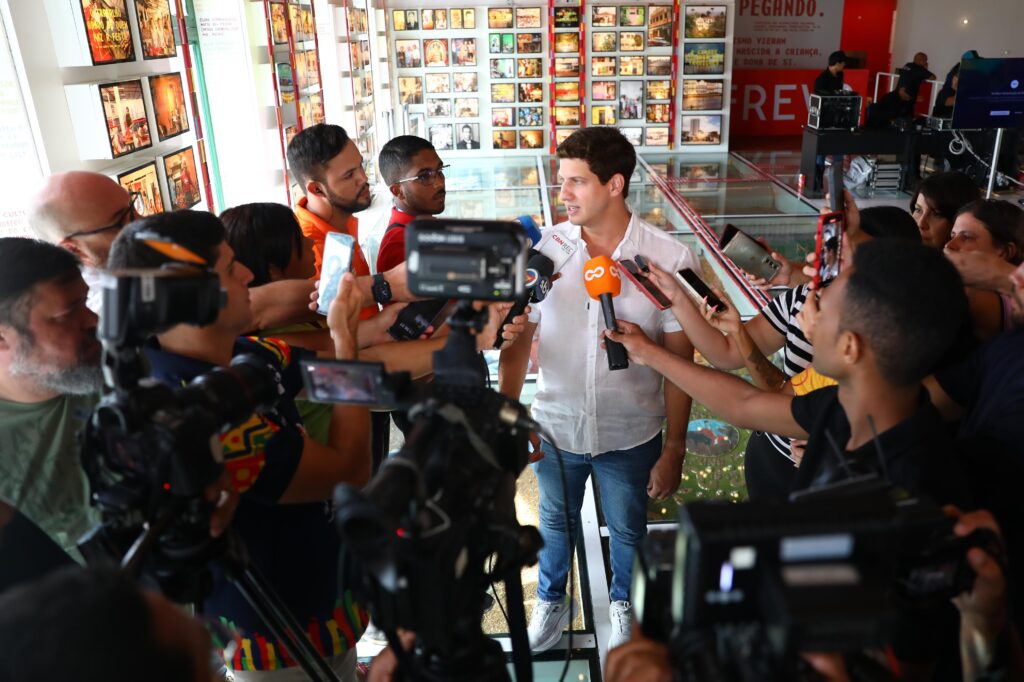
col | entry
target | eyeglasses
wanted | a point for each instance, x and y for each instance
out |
(133, 210)
(427, 177)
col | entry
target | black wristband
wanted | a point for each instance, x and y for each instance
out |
(381, 290)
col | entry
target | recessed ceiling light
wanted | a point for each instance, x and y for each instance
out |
(966, 21)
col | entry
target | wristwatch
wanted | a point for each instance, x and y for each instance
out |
(381, 290)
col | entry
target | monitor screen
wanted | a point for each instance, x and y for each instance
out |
(990, 94)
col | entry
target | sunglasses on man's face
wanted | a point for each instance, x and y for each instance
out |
(129, 213)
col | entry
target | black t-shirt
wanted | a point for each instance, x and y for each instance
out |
(827, 84)
(919, 454)
(911, 77)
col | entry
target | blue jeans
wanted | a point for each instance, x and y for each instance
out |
(622, 477)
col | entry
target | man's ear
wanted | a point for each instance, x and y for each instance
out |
(73, 247)
(396, 190)
(616, 184)
(313, 188)
(6, 338)
(852, 348)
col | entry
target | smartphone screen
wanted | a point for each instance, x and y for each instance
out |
(829, 246)
(640, 280)
(344, 381)
(698, 289)
(338, 250)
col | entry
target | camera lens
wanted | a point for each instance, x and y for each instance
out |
(233, 393)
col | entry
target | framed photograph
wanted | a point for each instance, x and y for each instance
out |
(699, 129)
(469, 136)
(567, 116)
(631, 66)
(530, 43)
(659, 90)
(634, 135)
(527, 17)
(656, 137)
(438, 83)
(279, 27)
(440, 20)
(603, 66)
(435, 52)
(567, 42)
(418, 125)
(659, 66)
(127, 120)
(657, 113)
(701, 94)
(631, 100)
(494, 43)
(144, 181)
(284, 76)
(567, 17)
(705, 21)
(464, 51)
(632, 15)
(156, 32)
(503, 139)
(465, 81)
(530, 116)
(567, 91)
(467, 107)
(439, 108)
(503, 117)
(168, 99)
(182, 179)
(407, 53)
(528, 68)
(631, 41)
(469, 18)
(562, 134)
(508, 43)
(108, 32)
(308, 29)
(704, 59)
(531, 92)
(503, 93)
(456, 19)
(602, 115)
(428, 20)
(316, 106)
(410, 89)
(604, 16)
(531, 139)
(659, 26)
(604, 41)
(499, 17)
(397, 20)
(412, 20)
(503, 68)
(604, 91)
(567, 67)
(441, 136)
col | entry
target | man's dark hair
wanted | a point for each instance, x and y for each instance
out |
(313, 148)
(23, 264)
(396, 155)
(198, 231)
(947, 192)
(261, 235)
(1004, 221)
(837, 57)
(907, 301)
(889, 221)
(86, 625)
(605, 150)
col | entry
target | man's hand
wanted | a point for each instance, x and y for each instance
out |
(638, 345)
(398, 279)
(343, 318)
(536, 454)
(807, 318)
(374, 331)
(638, 660)
(385, 664)
(510, 332)
(667, 472)
(985, 606)
(225, 500)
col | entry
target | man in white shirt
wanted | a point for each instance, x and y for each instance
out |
(605, 422)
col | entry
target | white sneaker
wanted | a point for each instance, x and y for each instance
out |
(621, 615)
(546, 624)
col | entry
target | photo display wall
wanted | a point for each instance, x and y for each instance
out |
(526, 77)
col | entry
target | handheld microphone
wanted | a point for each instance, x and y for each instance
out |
(601, 277)
(530, 225)
(539, 271)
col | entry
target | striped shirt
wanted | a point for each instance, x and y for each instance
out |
(797, 352)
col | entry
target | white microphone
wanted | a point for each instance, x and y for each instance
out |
(557, 248)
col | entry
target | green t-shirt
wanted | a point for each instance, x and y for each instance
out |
(40, 470)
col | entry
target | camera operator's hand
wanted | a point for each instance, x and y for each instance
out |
(984, 608)
(225, 499)
(830, 667)
(343, 318)
(639, 660)
(496, 313)
(385, 664)
(536, 454)
(638, 345)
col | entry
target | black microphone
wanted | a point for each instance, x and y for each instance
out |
(539, 270)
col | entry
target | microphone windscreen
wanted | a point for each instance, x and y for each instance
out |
(540, 264)
(601, 276)
(530, 225)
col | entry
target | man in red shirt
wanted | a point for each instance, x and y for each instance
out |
(415, 175)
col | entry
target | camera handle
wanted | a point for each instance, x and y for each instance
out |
(452, 364)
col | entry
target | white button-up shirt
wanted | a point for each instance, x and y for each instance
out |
(586, 407)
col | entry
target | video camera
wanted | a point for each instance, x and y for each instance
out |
(417, 540)
(741, 589)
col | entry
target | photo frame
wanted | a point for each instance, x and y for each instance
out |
(469, 18)
(528, 17)
(631, 41)
(631, 65)
(529, 68)
(508, 43)
(562, 134)
(156, 31)
(632, 15)
(567, 42)
(503, 139)
(126, 115)
(468, 136)
(702, 94)
(397, 20)
(435, 52)
(428, 20)
(703, 59)
(658, 90)
(527, 117)
(567, 67)
(530, 43)
(499, 17)
(656, 137)
(438, 82)
(503, 93)
(465, 81)
(531, 139)
(412, 20)
(407, 54)
(456, 19)
(705, 21)
(604, 91)
(494, 43)
(604, 41)
(503, 117)
(464, 51)
(567, 17)
(410, 89)
(278, 25)
(182, 179)
(169, 110)
(604, 66)
(531, 92)
(439, 107)
(467, 107)
(604, 16)
(659, 26)
(635, 136)
(442, 136)
(701, 129)
(144, 181)
(658, 65)
(657, 113)
(567, 116)
(503, 68)
(567, 91)
(418, 125)
(108, 31)
(440, 20)
(316, 106)
(603, 115)
(631, 100)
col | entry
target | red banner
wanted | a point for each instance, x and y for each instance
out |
(774, 101)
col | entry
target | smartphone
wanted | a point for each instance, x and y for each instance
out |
(415, 318)
(347, 381)
(748, 254)
(698, 289)
(638, 276)
(829, 244)
(338, 249)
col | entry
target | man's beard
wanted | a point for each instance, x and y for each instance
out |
(84, 378)
(349, 207)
